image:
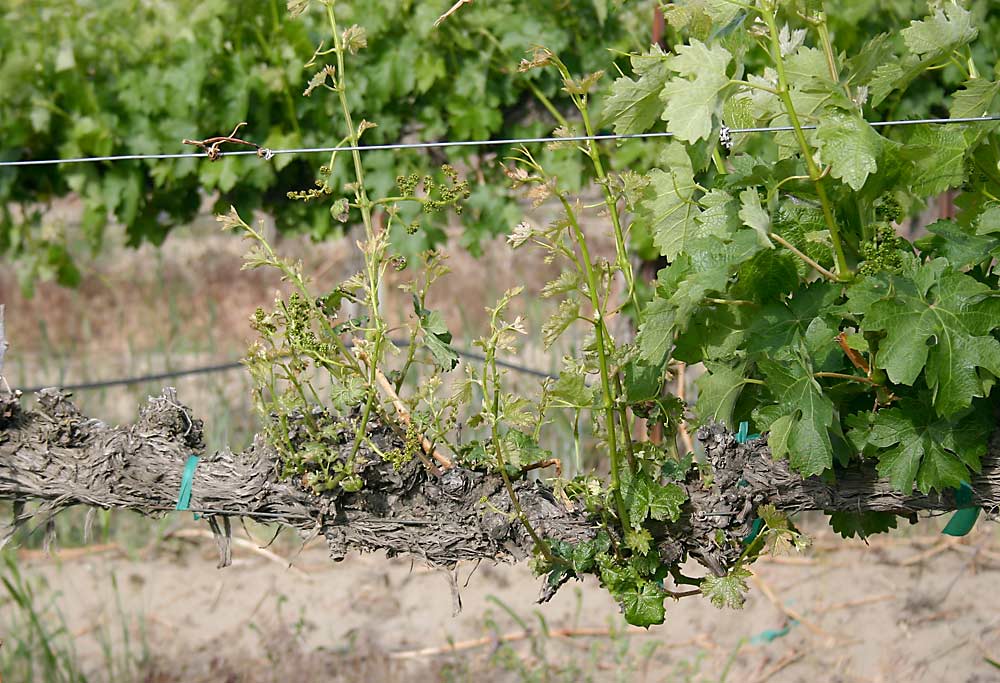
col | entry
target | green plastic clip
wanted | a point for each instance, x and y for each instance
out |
(772, 634)
(741, 433)
(758, 524)
(187, 480)
(965, 517)
(755, 529)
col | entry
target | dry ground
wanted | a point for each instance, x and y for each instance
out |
(912, 606)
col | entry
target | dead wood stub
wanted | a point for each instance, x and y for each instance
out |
(58, 457)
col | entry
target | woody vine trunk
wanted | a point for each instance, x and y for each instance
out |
(55, 456)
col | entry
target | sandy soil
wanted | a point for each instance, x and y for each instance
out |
(906, 608)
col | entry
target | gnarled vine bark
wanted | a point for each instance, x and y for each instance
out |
(58, 457)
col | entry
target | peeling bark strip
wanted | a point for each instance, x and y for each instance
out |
(58, 457)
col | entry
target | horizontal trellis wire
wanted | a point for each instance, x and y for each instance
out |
(233, 365)
(268, 153)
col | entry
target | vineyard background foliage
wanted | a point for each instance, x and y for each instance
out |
(125, 77)
(818, 324)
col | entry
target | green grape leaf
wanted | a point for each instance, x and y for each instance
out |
(779, 432)
(862, 524)
(935, 453)
(896, 74)
(570, 390)
(436, 337)
(347, 393)
(939, 321)
(584, 553)
(642, 382)
(809, 415)
(873, 53)
(780, 324)
(634, 105)
(928, 41)
(729, 590)
(975, 99)
(656, 333)
(644, 604)
(849, 145)
(719, 215)
(737, 111)
(754, 216)
(718, 390)
(988, 222)
(948, 28)
(665, 502)
(961, 245)
(668, 209)
(683, 285)
(705, 268)
(693, 99)
(770, 275)
(646, 498)
(521, 449)
(937, 155)
(715, 332)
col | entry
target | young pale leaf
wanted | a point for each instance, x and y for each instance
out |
(568, 281)
(693, 99)
(849, 145)
(567, 313)
(728, 590)
(638, 541)
(939, 321)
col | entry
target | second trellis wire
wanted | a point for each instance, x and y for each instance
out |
(234, 365)
(268, 153)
